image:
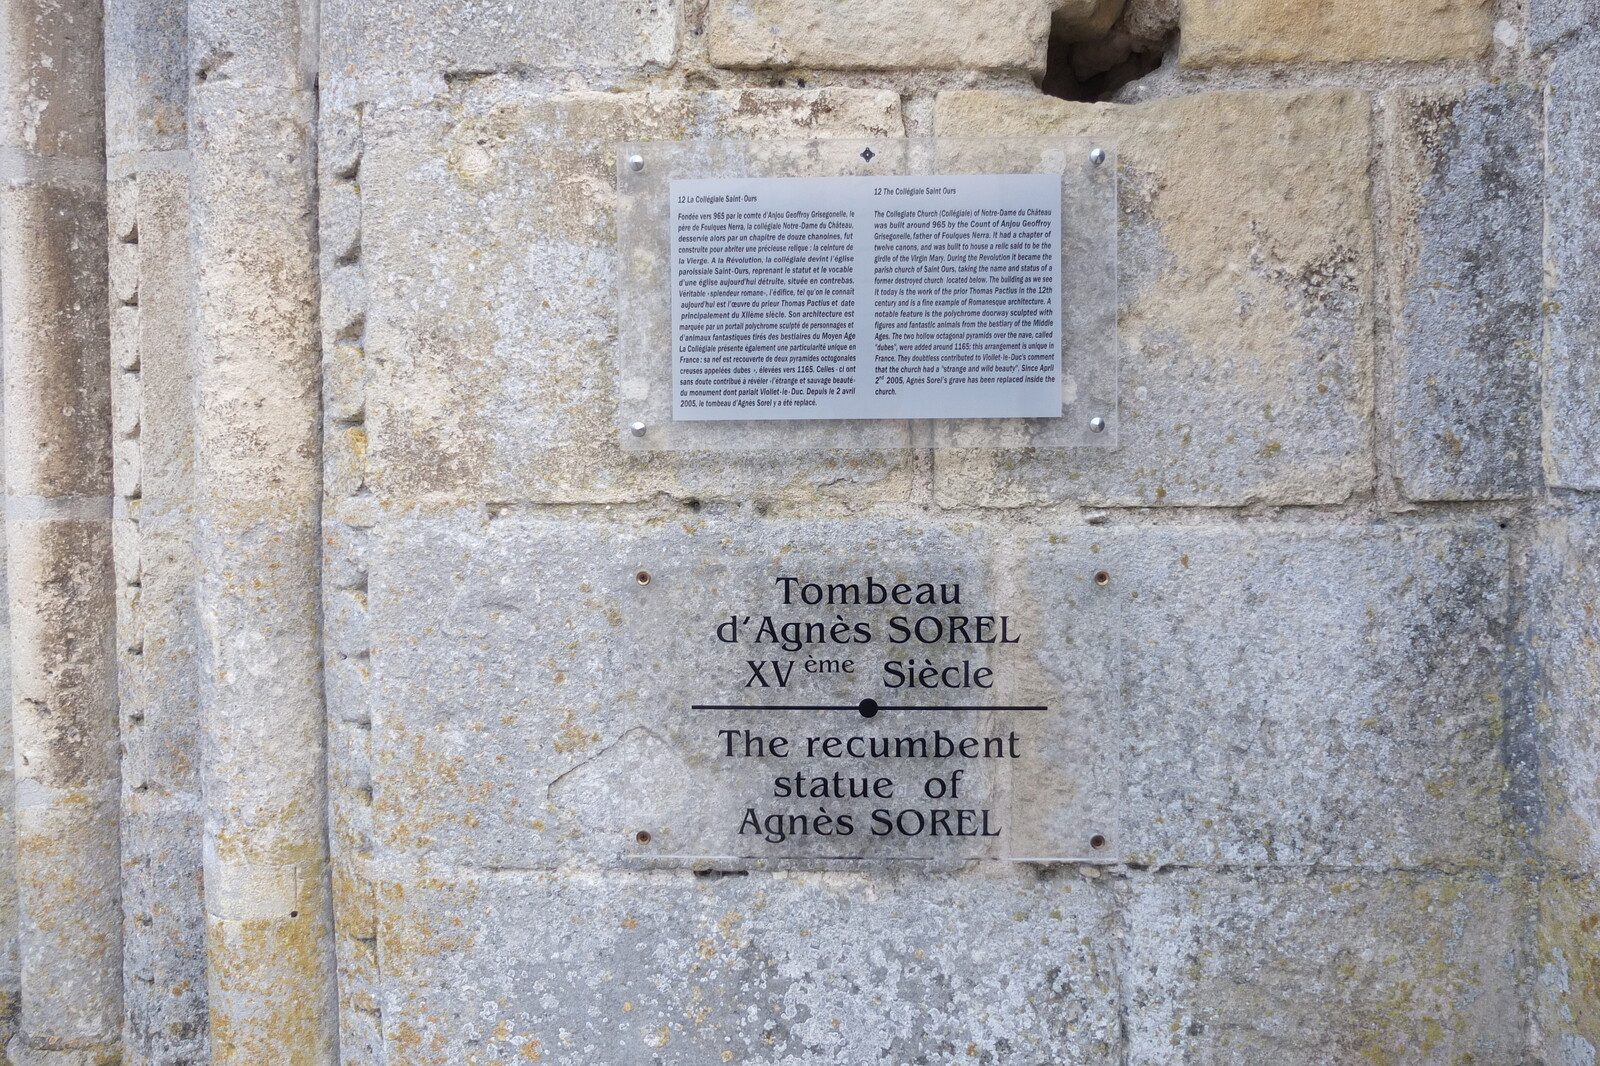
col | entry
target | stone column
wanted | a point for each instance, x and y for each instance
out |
(152, 416)
(258, 477)
(58, 531)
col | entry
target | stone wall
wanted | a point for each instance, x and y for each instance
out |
(319, 386)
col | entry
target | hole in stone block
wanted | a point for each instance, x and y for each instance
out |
(1099, 47)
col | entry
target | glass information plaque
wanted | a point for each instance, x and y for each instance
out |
(819, 294)
(911, 698)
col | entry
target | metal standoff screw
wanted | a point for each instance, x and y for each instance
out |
(1096, 156)
(637, 429)
(636, 162)
(1097, 424)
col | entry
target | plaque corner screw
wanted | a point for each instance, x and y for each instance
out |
(1096, 424)
(637, 429)
(636, 162)
(1096, 156)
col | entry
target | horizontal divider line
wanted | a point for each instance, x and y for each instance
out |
(844, 707)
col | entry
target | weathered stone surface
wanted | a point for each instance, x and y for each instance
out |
(1564, 588)
(1307, 696)
(1467, 225)
(52, 81)
(1564, 1000)
(269, 936)
(836, 969)
(1572, 364)
(1553, 21)
(268, 44)
(893, 34)
(374, 50)
(489, 253)
(167, 1017)
(1246, 323)
(10, 964)
(1083, 20)
(147, 77)
(1560, 798)
(56, 340)
(1219, 32)
(1228, 968)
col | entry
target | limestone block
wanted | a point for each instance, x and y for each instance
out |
(1222, 32)
(489, 253)
(1564, 803)
(122, 211)
(1305, 696)
(1467, 227)
(52, 100)
(339, 213)
(344, 304)
(999, 966)
(1083, 20)
(1565, 994)
(374, 49)
(343, 459)
(1553, 21)
(125, 400)
(55, 340)
(146, 76)
(125, 338)
(344, 383)
(1234, 968)
(253, 217)
(125, 470)
(1245, 264)
(166, 377)
(894, 34)
(1572, 368)
(125, 551)
(267, 44)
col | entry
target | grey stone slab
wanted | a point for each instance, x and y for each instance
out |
(1552, 22)
(1309, 696)
(1316, 969)
(1245, 270)
(381, 50)
(1564, 586)
(1564, 1014)
(1572, 365)
(889, 35)
(268, 44)
(147, 77)
(577, 968)
(1468, 224)
(489, 253)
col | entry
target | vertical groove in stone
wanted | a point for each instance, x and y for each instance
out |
(58, 533)
(269, 934)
